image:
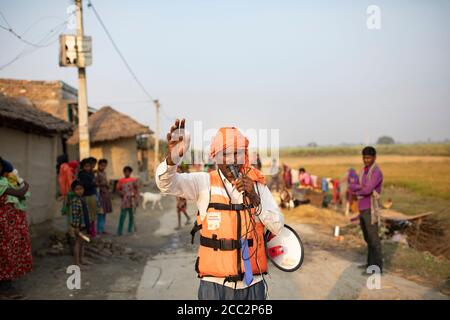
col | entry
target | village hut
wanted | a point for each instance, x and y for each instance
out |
(115, 136)
(30, 139)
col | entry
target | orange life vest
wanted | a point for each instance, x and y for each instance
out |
(220, 253)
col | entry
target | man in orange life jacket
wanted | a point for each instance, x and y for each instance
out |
(232, 214)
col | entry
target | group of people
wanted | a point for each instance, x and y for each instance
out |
(87, 200)
(86, 194)
(90, 179)
(305, 180)
(234, 201)
(362, 195)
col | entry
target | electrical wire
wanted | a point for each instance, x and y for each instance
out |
(125, 62)
(46, 41)
(4, 18)
(116, 48)
(39, 20)
(169, 118)
(10, 29)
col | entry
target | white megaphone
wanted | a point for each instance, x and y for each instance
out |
(285, 250)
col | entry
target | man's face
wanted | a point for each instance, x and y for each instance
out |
(237, 158)
(368, 160)
(102, 166)
(79, 190)
(127, 173)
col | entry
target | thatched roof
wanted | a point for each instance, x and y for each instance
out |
(108, 124)
(21, 114)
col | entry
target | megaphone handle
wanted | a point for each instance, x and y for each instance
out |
(276, 251)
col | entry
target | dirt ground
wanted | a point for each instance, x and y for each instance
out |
(164, 268)
(114, 277)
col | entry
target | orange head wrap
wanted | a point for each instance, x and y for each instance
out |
(227, 141)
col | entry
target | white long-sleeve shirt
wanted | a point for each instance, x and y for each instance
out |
(196, 186)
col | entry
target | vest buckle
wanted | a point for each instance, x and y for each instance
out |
(227, 244)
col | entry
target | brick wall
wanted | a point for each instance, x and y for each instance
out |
(48, 96)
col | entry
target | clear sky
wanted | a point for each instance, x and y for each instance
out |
(313, 70)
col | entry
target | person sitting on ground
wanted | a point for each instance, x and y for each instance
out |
(285, 199)
(304, 178)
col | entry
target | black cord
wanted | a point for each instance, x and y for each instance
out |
(258, 211)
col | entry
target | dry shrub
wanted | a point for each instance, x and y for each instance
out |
(430, 235)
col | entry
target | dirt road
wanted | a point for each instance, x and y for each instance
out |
(327, 273)
(167, 269)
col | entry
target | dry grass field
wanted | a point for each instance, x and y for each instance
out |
(416, 184)
(423, 175)
(416, 178)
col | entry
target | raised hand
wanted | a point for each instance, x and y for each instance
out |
(177, 143)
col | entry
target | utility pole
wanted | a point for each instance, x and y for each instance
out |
(157, 134)
(83, 126)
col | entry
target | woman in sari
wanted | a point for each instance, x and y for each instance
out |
(66, 175)
(15, 249)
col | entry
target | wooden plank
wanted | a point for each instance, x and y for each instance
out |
(398, 216)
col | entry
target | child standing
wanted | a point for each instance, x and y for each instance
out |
(129, 191)
(182, 203)
(99, 213)
(181, 208)
(78, 213)
(104, 195)
(87, 180)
